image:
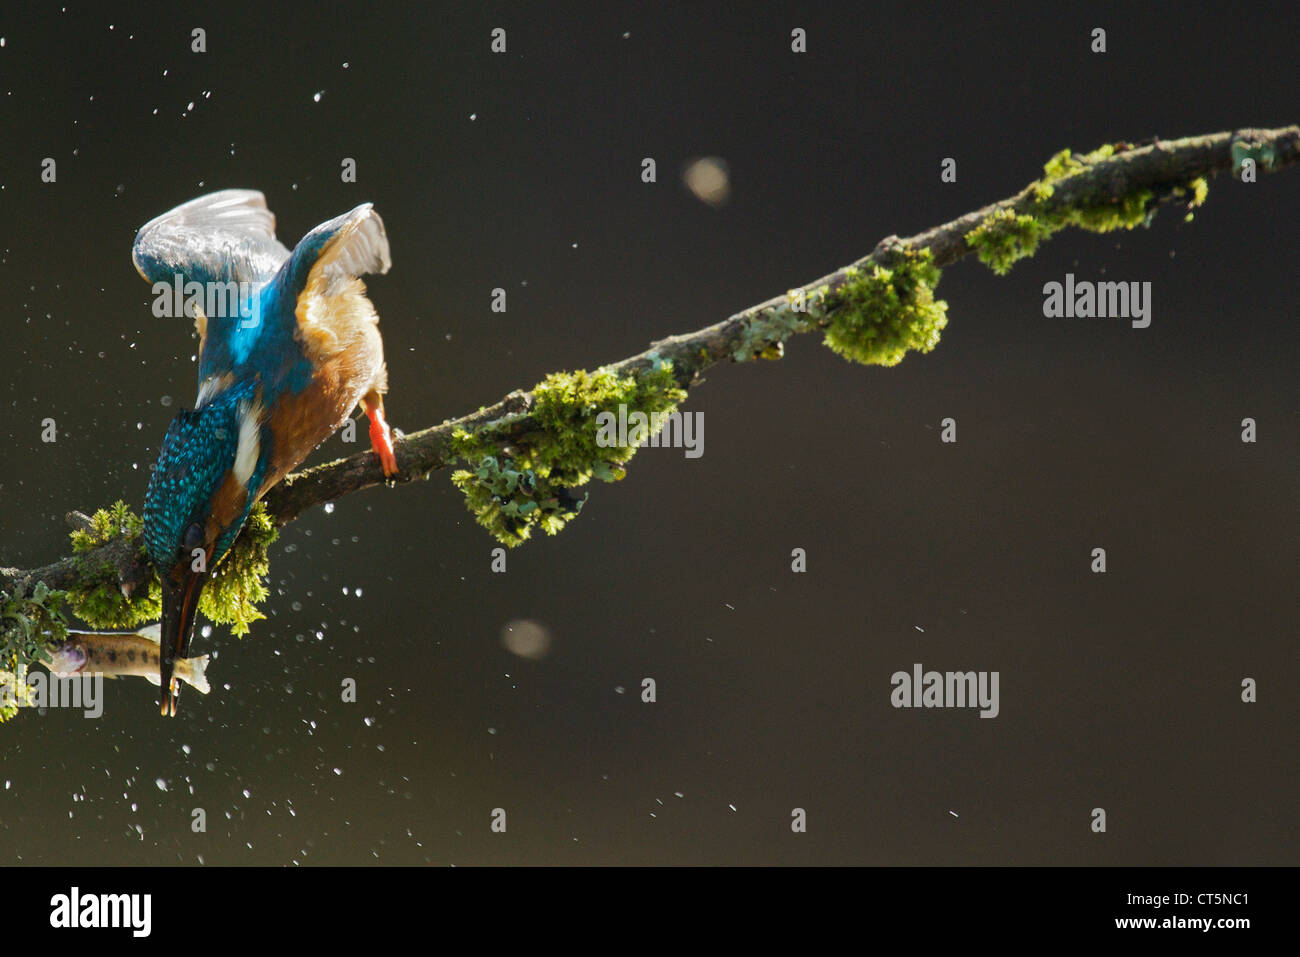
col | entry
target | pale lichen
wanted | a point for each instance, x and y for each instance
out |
(767, 330)
(29, 622)
(1263, 154)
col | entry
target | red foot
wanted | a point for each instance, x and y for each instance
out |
(381, 440)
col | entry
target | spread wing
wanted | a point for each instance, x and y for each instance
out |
(229, 237)
(341, 249)
(221, 237)
(324, 275)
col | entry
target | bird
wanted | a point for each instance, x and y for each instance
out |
(278, 375)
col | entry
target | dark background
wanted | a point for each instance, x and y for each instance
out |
(1118, 691)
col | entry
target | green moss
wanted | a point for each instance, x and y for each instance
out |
(877, 316)
(97, 597)
(106, 525)
(1006, 236)
(521, 482)
(1195, 193)
(1064, 164)
(97, 600)
(230, 597)
(1126, 212)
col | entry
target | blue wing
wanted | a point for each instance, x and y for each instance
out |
(307, 313)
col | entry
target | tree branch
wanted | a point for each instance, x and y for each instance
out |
(1162, 168)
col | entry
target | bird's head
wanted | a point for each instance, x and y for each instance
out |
(199, 495)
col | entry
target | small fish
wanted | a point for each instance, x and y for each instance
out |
(122, 653)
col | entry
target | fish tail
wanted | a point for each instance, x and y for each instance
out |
(197, 674)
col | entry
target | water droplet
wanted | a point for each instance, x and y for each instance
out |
(526, 638)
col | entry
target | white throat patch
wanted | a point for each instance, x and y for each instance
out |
(250, 440)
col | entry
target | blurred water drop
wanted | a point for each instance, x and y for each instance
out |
(527, 639)
(709, 180)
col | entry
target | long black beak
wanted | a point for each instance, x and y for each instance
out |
(180, 601)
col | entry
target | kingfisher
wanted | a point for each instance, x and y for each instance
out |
(280, 371)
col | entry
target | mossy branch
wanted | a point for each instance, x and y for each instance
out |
(528, 450)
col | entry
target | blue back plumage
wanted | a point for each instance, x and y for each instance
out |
(260, 342)
(197, 452)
